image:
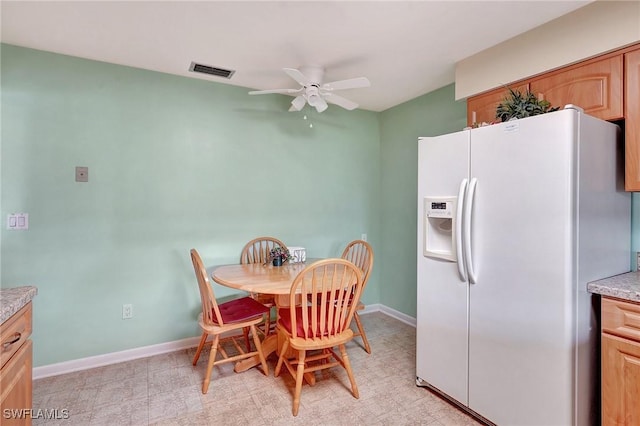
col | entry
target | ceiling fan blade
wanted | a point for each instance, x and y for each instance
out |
(320, 104)
(351, 83)
(340, 101)
(282, 91)
(297, 76)
(298, 103)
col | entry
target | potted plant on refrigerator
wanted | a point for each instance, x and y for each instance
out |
(519, 105)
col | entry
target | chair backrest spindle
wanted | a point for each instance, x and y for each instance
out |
(207, 296)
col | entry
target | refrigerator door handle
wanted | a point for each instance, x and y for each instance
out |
(468, 208)
(458, 230)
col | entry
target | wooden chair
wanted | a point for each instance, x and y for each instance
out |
(257, 251)
(322, 323)
(238, 314)
(360, 253)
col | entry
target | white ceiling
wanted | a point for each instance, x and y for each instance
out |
(405, 48)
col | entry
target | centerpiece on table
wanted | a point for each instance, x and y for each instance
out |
(279, 255)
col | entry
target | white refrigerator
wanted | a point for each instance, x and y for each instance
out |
(514, 220)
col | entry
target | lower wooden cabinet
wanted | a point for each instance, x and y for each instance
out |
(15, 369)
(16, 384)
(620, 363)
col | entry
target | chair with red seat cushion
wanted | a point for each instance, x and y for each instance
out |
(360, 253)
(238, 314)
(322, 323)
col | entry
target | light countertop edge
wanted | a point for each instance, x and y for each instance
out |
(624, 286)
(13, 299)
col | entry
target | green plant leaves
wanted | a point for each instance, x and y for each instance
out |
(518, 105)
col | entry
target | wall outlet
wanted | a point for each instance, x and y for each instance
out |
(127, 311)
(82, 174)
(638, 261)
(363, 237)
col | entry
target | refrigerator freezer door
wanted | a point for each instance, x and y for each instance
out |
(522, 306)
(442, 296)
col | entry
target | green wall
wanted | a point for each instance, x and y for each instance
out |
(430, 115)
(174, 163)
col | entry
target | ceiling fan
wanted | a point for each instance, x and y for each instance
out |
(314, 92)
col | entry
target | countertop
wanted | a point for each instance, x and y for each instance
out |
(623, 286)
(14, 299)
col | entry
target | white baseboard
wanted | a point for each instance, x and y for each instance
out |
(389, 312)
(113, 358)
(162, 348)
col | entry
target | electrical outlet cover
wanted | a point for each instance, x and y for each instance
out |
(82, 174)
(127, 311)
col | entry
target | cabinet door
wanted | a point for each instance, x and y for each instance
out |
(632, 121)
(595, 86)
(620, 381)
(16, 387)
(482, 108)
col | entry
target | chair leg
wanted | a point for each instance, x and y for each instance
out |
(212, 360)
(362, 333)
(245, 332)
(347, 366)
(299, 379)
(267, 323)
(256, 341)
(283, 351)
(203, 339)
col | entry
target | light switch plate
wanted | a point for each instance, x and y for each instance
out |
(82, 174)
(18, 221)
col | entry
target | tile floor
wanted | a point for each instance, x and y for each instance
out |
(166, 390)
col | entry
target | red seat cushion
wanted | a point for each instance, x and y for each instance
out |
(240, 310)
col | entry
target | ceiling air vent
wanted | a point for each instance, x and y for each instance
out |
(206, 69)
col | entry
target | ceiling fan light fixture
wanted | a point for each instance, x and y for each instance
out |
(297, 103)
(313, 95)
(321, 108)
(320, 104)
(314, 100)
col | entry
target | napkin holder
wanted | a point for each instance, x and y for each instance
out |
(298, 254)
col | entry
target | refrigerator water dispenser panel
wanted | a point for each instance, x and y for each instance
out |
(440, 228)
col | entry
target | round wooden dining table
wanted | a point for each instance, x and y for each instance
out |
(260, 278)
(264, 279)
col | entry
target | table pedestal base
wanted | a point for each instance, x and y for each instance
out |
(269, 346)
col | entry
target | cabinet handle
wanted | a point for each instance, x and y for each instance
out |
(16, 337)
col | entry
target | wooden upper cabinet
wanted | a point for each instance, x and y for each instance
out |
(595, 86)
(482, 108)
(632, 120)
